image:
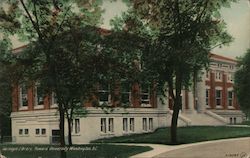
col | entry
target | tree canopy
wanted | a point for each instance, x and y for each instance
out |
(242, 83)
(181, 35)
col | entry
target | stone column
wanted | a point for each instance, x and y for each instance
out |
(201, 93)
(190, 101)
(183, 98)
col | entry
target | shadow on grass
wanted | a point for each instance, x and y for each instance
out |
(186, 135)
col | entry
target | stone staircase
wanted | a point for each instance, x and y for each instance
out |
(208, 118)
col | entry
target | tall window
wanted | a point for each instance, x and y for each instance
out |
(103, 125)
(104, 94)
(218, 97)
(145, 94)
(77, 125)
(150, 124)
(111, 125)
(125, 93)
(218, 75)
(125, 124)
(132, 124)
(235, 120)
(40, 95)
(144, 124)
(23, 95)
(207, 96)
(230, 98)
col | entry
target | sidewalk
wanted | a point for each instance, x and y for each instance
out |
(224, 148)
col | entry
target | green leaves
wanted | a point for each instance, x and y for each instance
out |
(242, 83)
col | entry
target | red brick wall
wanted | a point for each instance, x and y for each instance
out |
(135, 97)
(224, 85)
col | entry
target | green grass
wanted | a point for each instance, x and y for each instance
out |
(245, 123)
(82, 151)
(185, 135)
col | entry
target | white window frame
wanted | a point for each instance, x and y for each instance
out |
(150, 124)
(125, 125)
(39, 131)
(23, 96)
(111, 125)
(43, 129)
(220, 98)
(37, 105)
(53, 100)
(145, 102)
(125, 92)
(77, 126)
(230, 99)
(144, 124)
(218, 75)
(108, 99)
(103, 125)
(132, 124)
(20, 132)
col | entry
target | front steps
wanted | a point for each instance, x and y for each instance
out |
(207, 118)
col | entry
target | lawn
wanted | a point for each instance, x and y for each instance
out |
(77, 151)
(245, 123)
(185, 135)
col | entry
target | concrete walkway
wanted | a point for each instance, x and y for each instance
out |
(225, 148)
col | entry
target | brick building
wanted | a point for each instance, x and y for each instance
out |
(35, 118)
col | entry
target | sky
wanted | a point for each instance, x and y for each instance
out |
(237, 18)
(238, 23)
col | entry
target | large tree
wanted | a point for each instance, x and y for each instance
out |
(5, 95)
(181, 34)
(67, 53)
(242, 83)
(54, 52)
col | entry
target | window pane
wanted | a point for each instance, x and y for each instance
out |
(132, 124)
(230, 98)
(103, 125)
(43, 131)
(37, 131)
(26, 131)
(144, 124)
(218, 97)
(125, 124)
(20, 131)
(40, 95)
(77, 125)
(111, 125)
(104, 91)
(24, 95)
(125, 92)
(150, 124)
(145, 91)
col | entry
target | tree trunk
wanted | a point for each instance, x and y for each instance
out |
(176, 108)
(69, 119)
(174, 124)
(62, 132)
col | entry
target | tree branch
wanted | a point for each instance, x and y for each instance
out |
(32, 21)
(35, 13)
